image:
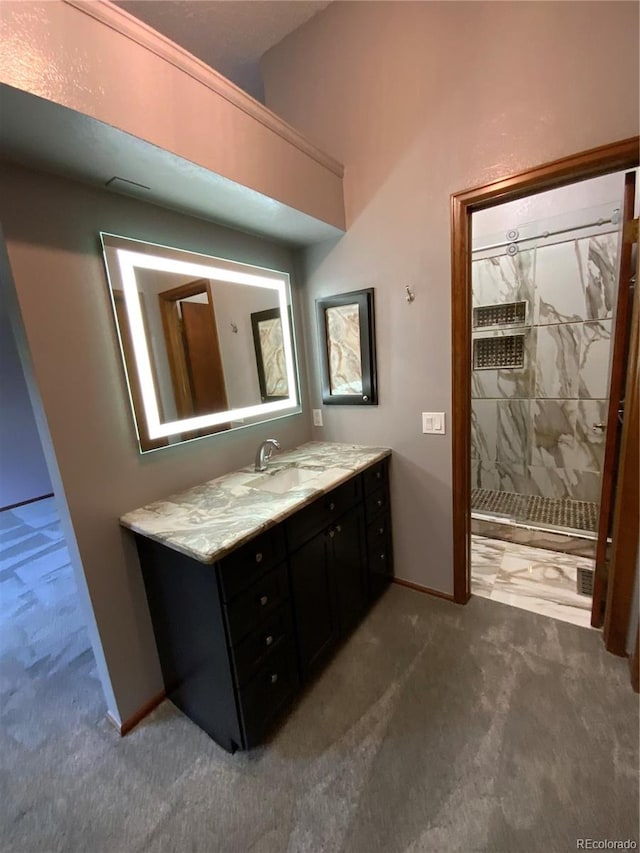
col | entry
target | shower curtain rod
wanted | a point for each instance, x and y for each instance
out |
(614, 220)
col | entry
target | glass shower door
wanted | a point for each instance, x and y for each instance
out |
(542, 322)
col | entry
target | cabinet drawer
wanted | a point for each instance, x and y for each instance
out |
(255, 648)
(375, 476)
(378, 533)
(377, 503)
(251, 608)
(239, 569)
(314, 518)
(269, 691)
(380, 554)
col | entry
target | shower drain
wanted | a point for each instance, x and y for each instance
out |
(585, 580)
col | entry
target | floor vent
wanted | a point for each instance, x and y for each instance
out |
(585, 580)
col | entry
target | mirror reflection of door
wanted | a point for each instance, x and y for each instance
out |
(193, 349)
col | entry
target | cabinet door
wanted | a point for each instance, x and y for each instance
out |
(349, 567)
(313, 601)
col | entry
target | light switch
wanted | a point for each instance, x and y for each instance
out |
(317, 417)
(433, 423)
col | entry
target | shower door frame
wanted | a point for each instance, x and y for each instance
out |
(615, 157)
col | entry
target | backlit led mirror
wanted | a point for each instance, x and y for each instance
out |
(207, 344)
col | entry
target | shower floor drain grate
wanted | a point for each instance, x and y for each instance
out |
(585, 580)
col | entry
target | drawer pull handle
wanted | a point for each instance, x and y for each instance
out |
(264, 600)
(332, 506)
(268, 640)
(259, 557)
(274, 677)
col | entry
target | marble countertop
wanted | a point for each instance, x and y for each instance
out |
(209, 520)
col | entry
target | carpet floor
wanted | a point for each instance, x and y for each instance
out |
(434, 728)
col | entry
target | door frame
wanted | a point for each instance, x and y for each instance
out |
(603, 160)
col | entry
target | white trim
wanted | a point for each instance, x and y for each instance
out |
(125, 24)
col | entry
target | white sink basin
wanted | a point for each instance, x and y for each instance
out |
(283, 481)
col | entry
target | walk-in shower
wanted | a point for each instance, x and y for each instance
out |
(543, 302)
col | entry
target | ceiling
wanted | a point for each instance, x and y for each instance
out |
(229, 35)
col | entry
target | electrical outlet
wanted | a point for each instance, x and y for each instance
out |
(433, 423)
(317, 417)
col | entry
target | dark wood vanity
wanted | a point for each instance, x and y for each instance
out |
(238, 639)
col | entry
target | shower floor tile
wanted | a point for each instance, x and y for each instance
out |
(530, 578)
(533, 509)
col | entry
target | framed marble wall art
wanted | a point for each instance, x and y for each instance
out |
(346, 331)
(270, 361)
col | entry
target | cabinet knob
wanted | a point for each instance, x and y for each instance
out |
(332, 506)
(381, 530)
(380, 501)
(378, 475)
(274, 677)
(382, 556)
(259, 557)
(268, 640)
(332, 533)
(263, 600)
(338, 528)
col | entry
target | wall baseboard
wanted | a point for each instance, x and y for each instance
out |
(425, 589)
(24, 503)
(132, 721)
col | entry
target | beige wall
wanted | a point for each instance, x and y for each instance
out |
(51, 229)
(101, 62)
(420, 100)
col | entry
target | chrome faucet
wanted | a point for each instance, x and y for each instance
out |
(265, 452)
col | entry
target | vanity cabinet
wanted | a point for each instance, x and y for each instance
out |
(236, 639)
(378, 520)
(329, 586)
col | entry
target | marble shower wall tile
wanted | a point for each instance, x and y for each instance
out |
(602, 276)
(594, 360)
(588, 450)
(513, 477)
(484, 475)
(558, 361)
(554, 423)
(576, 280)
(514, 432)
(484, 429)
(503, 278)
(564, 483)
(560, 283)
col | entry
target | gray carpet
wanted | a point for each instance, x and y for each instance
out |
(435, 728)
